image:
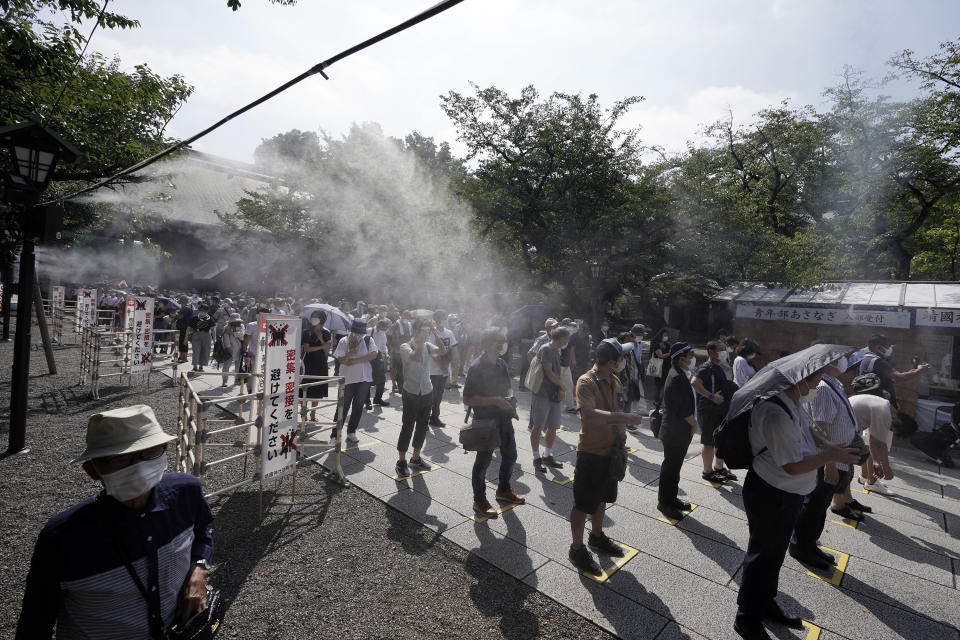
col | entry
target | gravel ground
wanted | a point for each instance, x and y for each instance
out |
(336, 563)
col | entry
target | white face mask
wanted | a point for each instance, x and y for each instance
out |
(502, 351)
(888, 352)
(604, 328)
(314, 321)
(135, 480)
(621, 365)
(723, 357)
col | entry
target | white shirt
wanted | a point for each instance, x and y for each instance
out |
(874, 416)
(776, 440)
(252, 329)
(830, 405)
(742, 371)
(358, 372)
(380, 338)
(449, 340)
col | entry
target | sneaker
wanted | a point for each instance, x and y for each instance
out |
(879, 486)
(369, 406)
(848, 513)
(435, 422)
(420, 463)
(484, 509)
(538, 465)
(352, 437)
(550, 462)
(603, 544)
(581, 559)
(632, 428)
(510, 496)
(671, 512)
(402, 469)
(382, 403)
(683, 506)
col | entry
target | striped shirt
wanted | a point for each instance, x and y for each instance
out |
(78, 581)
(831, 405)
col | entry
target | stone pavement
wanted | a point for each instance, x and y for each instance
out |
(896, 578)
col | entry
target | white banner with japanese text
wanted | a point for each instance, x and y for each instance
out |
(938, 318)
(90, 307)
(281, 382)
(822, 315)
(141, 340)
(128, 314)
(57, 295)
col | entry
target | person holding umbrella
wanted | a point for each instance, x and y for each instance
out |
(786, 455)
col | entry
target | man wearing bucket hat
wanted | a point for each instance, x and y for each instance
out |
(144, 523)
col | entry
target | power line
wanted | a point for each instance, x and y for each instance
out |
(318, 68)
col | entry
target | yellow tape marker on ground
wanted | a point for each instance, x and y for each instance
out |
(715, 485)
(837, 577)
(685, 514)
(629, 553)
(854, 524)
(482, 519)
(418, 473)
(562, 482)
(631, 450)
(363, 446)
(813, 631)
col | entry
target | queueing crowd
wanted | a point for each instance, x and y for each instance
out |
(806, 443)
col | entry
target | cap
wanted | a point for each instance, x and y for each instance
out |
(638, 329)
(358, 326)
(550, 323)
(611, 349)
(679, 348)
(124, 430)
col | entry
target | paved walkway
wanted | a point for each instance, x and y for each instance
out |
(897, 575)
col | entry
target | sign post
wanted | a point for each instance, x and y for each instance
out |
(280, 399)
(139, 319)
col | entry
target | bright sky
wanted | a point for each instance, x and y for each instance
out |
(692, 60)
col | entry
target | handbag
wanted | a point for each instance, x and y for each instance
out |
(617, 470)
(479, 434)
(534, 375)
(655, 367)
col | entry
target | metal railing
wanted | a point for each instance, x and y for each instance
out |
(205, 443)
(102, 346)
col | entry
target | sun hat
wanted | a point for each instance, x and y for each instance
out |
(638, 329)
(550, 324)
(358, 326)
(123, 430)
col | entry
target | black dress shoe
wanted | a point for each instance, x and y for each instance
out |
(683, 506)
(848, 513)
(862, 508)
(829, 557)
(751, 630)
(808, 558)
(776, 614)
(670, 512)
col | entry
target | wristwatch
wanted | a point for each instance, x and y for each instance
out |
(202, 562)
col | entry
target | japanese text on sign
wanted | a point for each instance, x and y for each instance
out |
(939, 318)
(821, 315)
(280, 337)
(141, 340)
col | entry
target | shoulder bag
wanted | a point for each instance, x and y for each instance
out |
(479, 434)
(534, 378)
(655, 367)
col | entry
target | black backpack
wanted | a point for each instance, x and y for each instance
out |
(732, 438)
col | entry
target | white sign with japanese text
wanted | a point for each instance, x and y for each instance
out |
(90, 307)
(141, 341)
(821, 315)
(938, 318)
(81, 310)
(280, 335)
(57, 295)
(128, 314)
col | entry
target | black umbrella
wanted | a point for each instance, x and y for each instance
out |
(783, 373)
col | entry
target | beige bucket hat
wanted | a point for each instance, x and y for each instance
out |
(122, 430)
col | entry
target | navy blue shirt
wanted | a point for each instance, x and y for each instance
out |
(77, 579)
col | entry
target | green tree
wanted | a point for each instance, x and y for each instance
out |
(560, 188)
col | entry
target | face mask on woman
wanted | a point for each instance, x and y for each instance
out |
(314, 321)
(621, 365)
(809, 395)
(502, 351)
